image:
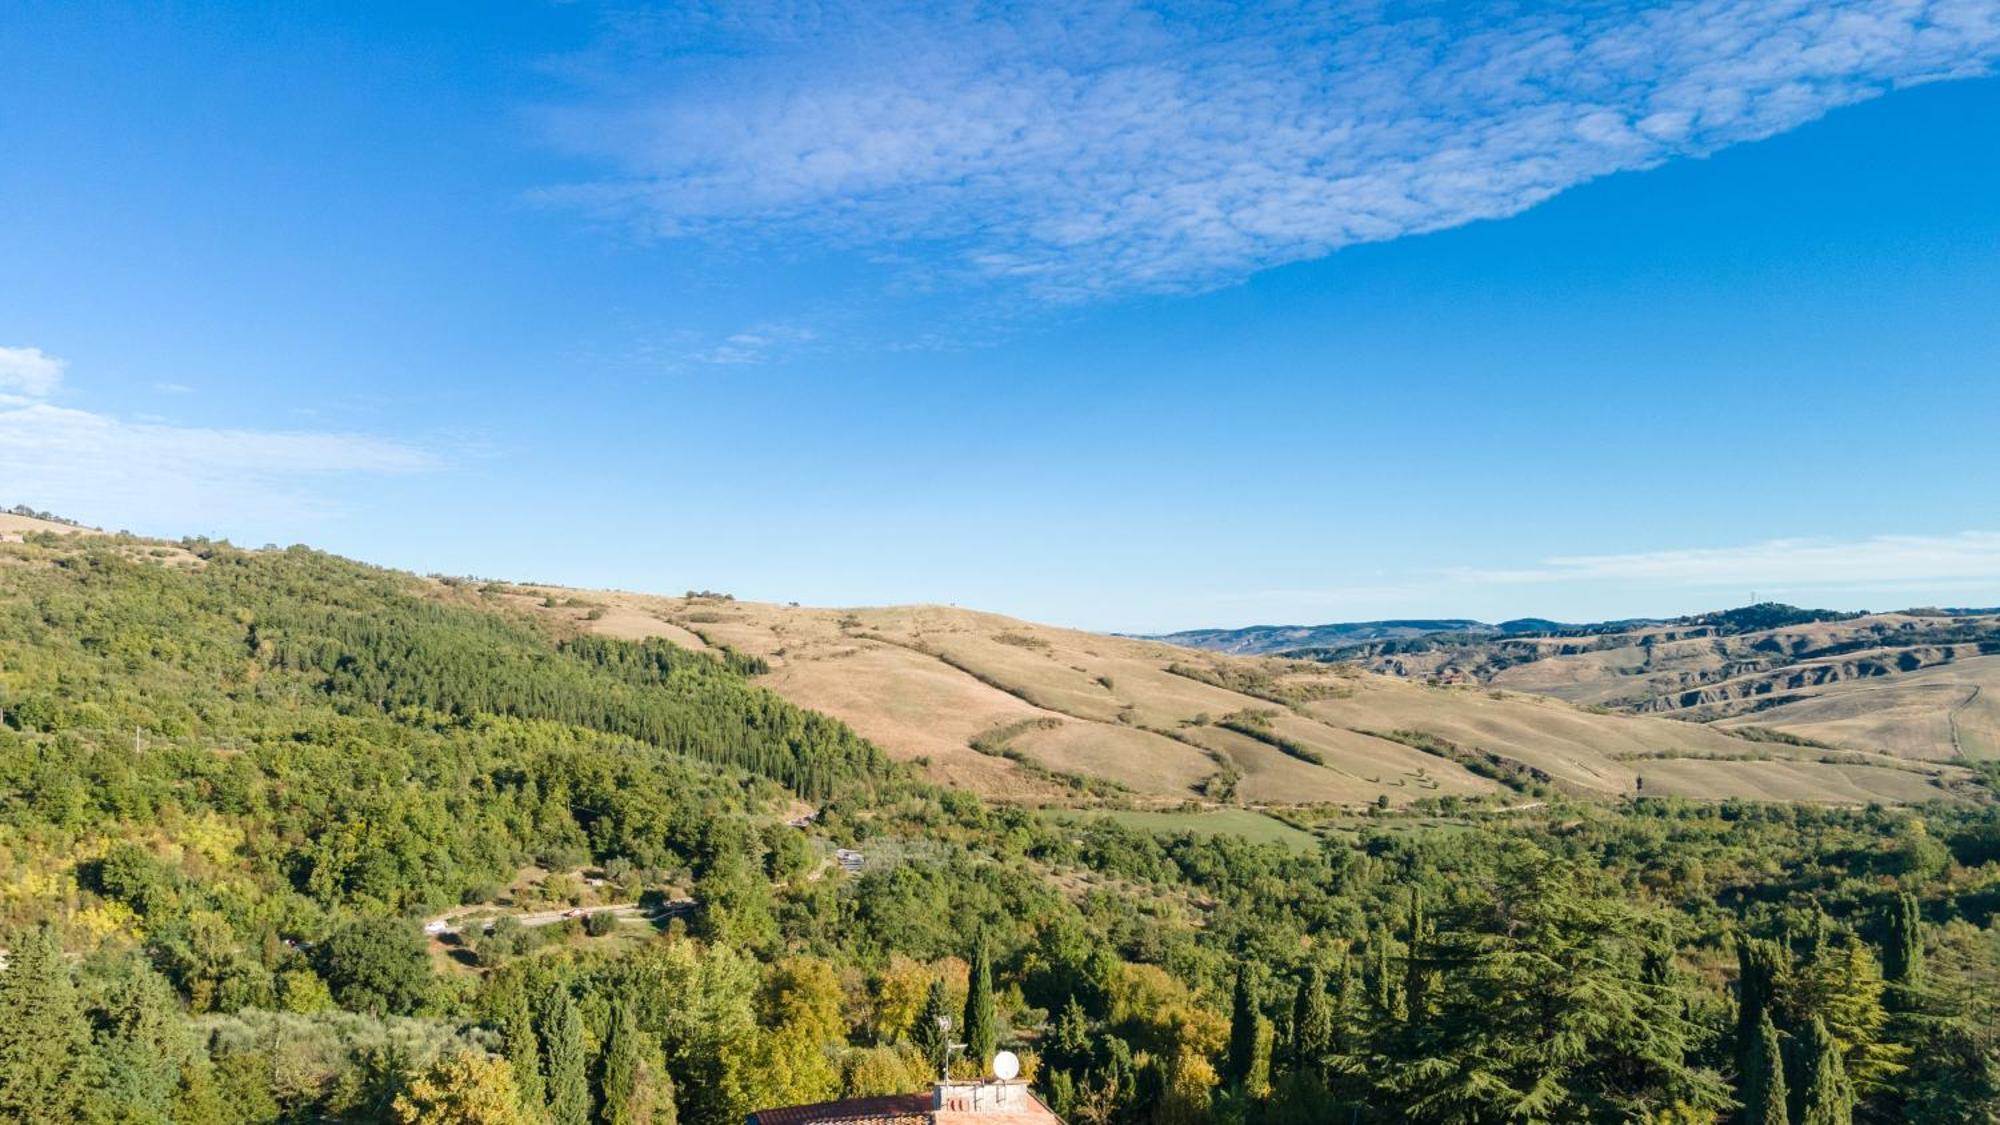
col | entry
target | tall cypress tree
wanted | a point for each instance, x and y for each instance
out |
(524, 1054)
(1312, 1022)
(1760, 964)
(1242, 1030)
(1257, 1083)
(982, 1033)
(1903, 952)
(1826, 1097)
(1419, 978)
(1762, 1087)
(42, 1034)
(619, 1074)
(568, 1066)
(1382, 978)
(930, 1032)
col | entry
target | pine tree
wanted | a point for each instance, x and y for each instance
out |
(1312, 1022)
(42, 1034)
(1243, 1020)
(982, 1034)
(1903, 952)
(1762, 1087)
(1070, 1049)
(1843, 989)
(568, 1068)
(1826, 1098)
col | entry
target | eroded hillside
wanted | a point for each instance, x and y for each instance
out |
(1922, 685)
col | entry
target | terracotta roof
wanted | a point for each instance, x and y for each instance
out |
(892, 1109)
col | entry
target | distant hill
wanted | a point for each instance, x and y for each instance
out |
(1259, 640)
(996, 706)
(1919, 683)
(1029, 712)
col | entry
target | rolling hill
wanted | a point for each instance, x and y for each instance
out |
(1037, 714)
(1920, 684)
(1030, 712)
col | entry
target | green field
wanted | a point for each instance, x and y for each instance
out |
(1254, 826)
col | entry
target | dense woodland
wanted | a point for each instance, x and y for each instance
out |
(233, 785)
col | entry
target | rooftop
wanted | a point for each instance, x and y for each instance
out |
(991, 1102)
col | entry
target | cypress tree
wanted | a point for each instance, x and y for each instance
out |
(1903, 953)
(42, 1034)
(1826, 1097)
(1242, 1030)
(1383, 980)
(568, 1068)
(1257, 1083)
(524, 1054)
(982, 1034)
(1759, 966)
(1418, 977)
(1763, 1083)
(618, 1084)
(1312, 1022)
(930, 1032)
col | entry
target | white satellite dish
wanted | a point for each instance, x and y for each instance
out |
(1006, 1066)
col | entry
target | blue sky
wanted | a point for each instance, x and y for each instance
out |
(1129, 318)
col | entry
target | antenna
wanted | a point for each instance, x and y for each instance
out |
(944, 1032)
(1006, 1066)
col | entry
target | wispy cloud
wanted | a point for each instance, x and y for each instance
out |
(1884, 571)
(1131, 147)
(162, 475)
(759, 345)
(1885, 560)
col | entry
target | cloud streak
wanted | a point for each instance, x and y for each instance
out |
(157, 474)
(1885, 560)
(1137, 148)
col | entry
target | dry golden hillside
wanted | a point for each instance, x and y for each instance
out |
(1029, 712)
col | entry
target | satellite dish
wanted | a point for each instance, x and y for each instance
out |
(1006, 1066)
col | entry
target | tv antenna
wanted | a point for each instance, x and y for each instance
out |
(944, 1032)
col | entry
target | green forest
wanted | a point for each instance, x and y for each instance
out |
(236, 785)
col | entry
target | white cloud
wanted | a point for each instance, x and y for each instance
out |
(175, 478)
(1880, 572)
(1126, 148)
(30, 372)
(1885, 560)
